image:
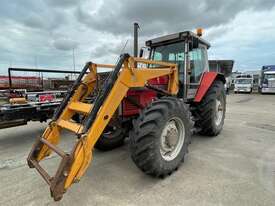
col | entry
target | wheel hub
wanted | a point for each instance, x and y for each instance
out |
(218, 112)
(172, 139)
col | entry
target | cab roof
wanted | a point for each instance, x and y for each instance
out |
(176, 37)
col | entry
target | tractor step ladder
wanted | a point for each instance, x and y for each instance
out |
(74, 127)
(80, 107)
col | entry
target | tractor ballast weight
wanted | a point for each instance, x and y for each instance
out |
(158, 106)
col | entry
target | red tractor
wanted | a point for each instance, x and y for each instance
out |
(155, 121)
(158, 107)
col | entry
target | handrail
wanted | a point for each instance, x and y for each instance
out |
(140, 60)
(148, 61)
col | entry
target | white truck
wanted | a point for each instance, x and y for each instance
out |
(267, 84)
(243, 83)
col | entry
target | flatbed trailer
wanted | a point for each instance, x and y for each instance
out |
(39, 102)
(20, 114)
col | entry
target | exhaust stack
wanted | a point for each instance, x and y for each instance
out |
(136, 27)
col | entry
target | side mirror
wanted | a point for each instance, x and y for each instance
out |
(144, 52)
(141, 52)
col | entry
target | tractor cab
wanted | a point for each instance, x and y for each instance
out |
(189, 51)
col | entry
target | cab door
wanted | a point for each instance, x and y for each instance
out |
(198, 65)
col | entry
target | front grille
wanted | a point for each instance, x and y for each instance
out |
(271, 83)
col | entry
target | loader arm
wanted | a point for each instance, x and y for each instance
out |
(74, 164)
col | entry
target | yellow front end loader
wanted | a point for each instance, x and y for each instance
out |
(98, 115)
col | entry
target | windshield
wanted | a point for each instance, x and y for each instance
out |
(269, 76)
(169, 53)
(243, 81)
(173, 53)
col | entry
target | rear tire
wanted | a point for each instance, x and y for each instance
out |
(160, 136)
(210, 112)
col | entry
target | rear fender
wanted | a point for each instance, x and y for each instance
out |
(207, 80)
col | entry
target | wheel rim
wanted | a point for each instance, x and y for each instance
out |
(218, 112)
(172, 139)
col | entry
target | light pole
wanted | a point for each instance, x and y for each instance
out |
(74, 61)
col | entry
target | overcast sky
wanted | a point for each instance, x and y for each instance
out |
(43, 33)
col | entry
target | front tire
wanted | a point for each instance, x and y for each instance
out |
(160, 137)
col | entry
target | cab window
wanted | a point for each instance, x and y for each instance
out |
(173, 53)
(198, 64)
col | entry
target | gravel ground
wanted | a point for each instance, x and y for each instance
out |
(235, 168)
